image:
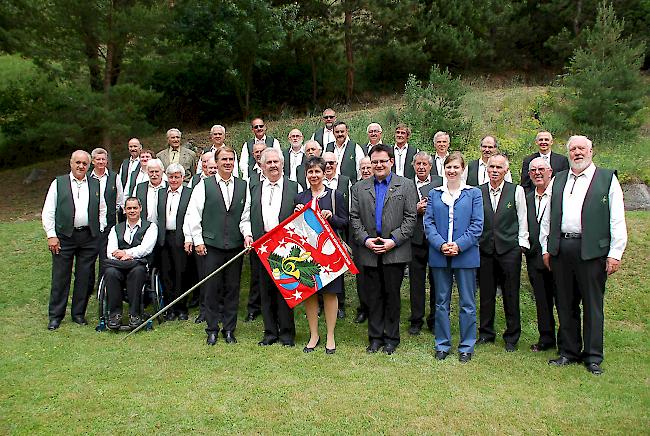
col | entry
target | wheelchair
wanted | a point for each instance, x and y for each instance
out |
(152, 295)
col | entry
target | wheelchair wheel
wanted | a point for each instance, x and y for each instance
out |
(102, 306)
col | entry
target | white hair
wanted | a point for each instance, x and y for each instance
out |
(373, 125)
(266, 152)
(217, 127)
(174, 168)
(575, 137)
(423, 154)
(439, 134)
(174, 130)
(97, 151)
(156, 162)
(537, 161)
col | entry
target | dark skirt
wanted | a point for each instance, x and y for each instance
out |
(334, 287)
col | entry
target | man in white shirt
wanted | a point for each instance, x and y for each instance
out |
(441, 143)
(247, 161)
(294, 155)
(557, 162)
(583, 236)
(312, 148)
(404, 152)
(504, 238)
(71, 222)
(147, 192)
(374, 132)
(218, 137)
(130, 166)
(203, 173)
(476, 172)
(348, 153)
(142, 176)
(325, 134)
(130, 243)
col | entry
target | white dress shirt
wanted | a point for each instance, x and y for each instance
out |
(419, 184)
(133, 163)
(400, 159)
(332, 183)
(295, 159)
(152, 201)
(328, 136)
(80, 196)
(573, 198)
(139, 251)
(103, 209)
(439, 162)
(340, 151)
(271, 203)
(193, 228)
(243, 162)
(483, 176)
(171, 209)
(520, 206)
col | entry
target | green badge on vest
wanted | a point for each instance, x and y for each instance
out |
(509, 205)
(604, 200)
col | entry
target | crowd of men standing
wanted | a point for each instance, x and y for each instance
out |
(189, 214)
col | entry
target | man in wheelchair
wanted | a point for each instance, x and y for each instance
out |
(130, 245)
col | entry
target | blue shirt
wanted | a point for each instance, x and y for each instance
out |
(381, 188)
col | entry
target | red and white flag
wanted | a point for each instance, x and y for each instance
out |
(302, 255)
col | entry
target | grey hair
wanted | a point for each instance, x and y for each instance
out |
(156, 162)
(174, 130)
(271, 150)
(218, 127)
(174, 168)
(502, 155)
(441, 133)
(97, 151)
(316, 143)
(372, 125)
(538, 160)
(422, 154)
(574, 137)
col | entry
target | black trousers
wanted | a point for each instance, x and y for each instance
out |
(254, 301)
(222, 290)
(417, 286)
(102, 243)
(543, 286)
(508, 265)
(199, 262)
(384, 301)
(579, 281)
(173, 264)
(134, 279)
(80, 249)
(277, 316)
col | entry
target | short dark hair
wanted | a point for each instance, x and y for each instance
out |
(338, 123)
(315, 161)
(136, 199)
(381, 147)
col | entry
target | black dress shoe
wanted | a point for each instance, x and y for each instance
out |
(561, 361)
(484, 340)
(374, 347)
(330, 350)
(361, 317)
(390, 348)
(310, 349)
(464, 357)
(170, 315)
(288, 343)
(199, 319)
(594, 368)
(414, 330)
(441, 355)
(134, 321)
(115, 321)
(229, 337)
(536, 348)
(79, 320)
(340, 314)
(266, 340)
(212, 338)
(54, 324)
(183, 316)
(510, 347)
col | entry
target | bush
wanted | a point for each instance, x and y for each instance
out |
(435, 107)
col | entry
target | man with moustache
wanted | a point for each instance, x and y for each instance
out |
(504, 238)
(441, 143)
(176, 153)
(348, 153)
(557, 162)
(130, 166)
(271, 202)
(219, 229)
(583, 236)
(325, 134)
(294, 155)
(404, 152)
(248, 161)
(541, 279)
(312, 148)
(255, 175)
(383, 216)
(476, 172)
(71, 222)
(425, 181)
(172, 206)
(374, 131)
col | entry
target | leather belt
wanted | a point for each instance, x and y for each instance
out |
(571, 235)
(81, 229)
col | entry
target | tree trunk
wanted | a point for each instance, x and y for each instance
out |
(347, 26)
(314, 87)
(576, 19)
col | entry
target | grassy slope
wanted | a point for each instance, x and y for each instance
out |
(167, 380)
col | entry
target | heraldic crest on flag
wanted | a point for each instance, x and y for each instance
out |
(302, 255)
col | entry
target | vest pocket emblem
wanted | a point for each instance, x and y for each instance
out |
(509, 205)
(604, 200)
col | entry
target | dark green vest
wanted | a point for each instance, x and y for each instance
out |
(180, 215)
(409, 171)
(318, 136)
(472, 173)
(500, 228)
(534, 254)
(64, 213)
(141, 194)
(348, 164)
(253, 178)
(110, 197)
(249, 144)
(120, 228)
(289, 191)
(287, 162)
(344, 187)
(127, 179)
(221, 226)
(595, 233)
(301, 177)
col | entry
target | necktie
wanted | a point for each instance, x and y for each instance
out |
(132, 231)
(493, 198)
(226, 197)
(272, 186)
(575, 179)
(539, 214)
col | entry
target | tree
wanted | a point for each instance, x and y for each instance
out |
(605, 87)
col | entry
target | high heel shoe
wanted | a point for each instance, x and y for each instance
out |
(310, 349)
(330, 350)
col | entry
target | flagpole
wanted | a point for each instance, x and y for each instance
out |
(244, 251)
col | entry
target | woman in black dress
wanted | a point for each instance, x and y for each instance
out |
(334, 209)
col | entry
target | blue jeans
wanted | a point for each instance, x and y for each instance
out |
(466, 281)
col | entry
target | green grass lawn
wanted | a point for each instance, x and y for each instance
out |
(167, 380)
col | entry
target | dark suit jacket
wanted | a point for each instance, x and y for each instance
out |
(559, 162)
(398, 218)
(418, 232)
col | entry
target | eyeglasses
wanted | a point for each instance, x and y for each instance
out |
(374, 131)
(330, 162)
(329, 117)
(537, 170)
(380, 162)
(258, 126)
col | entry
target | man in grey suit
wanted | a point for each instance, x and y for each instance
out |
(176, 153)
(383, 216)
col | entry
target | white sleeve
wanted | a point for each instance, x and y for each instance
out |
(464, 176)
(119, 201)
(243, 162)
(112, 243)
(359, 155)
(544, 227)
(508, 177)
(49, 210)
(147, 245)
(194, 215)
(276, 144)
(522, 216)
(245, 223)
(235, 170)
(617, 226)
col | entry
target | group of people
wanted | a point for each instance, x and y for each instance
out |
(397, 207)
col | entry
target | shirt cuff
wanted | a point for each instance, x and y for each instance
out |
(615, 253)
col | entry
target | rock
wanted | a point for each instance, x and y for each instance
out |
(34, 175)
(637, 196)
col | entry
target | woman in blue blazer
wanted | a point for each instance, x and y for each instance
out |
(453, 223)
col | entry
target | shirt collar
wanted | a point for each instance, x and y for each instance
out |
(344, 143)
(95, 175)
(444, 187)
(385, 181)
(588, 172)
(267, 182)
(424, 182)
(548, 155)
(498, 188)
(179, 190)
(74, 179)
(224, 180)
(137, 224)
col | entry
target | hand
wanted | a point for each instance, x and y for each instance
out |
(326, 214)
(546, 258)
(422, 206)
(188, 247)
(201, 250)
(248, 241)
(298, 207)
(380, 245)
(54, 245)
(449, 249)
(127, 257)
(118, 254)
(612, 265)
